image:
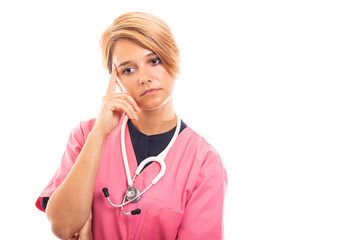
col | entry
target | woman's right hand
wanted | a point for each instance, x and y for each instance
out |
(113, 106)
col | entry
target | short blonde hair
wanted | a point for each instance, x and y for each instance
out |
(149, 32)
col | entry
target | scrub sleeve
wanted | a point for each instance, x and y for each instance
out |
(74, 145)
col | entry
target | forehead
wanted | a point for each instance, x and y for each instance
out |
(127, 50)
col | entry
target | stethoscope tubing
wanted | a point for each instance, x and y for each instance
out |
(160, 159)
(132, 200)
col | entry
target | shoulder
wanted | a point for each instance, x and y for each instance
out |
(80, 132)
(207, 156)
(84, 127)
(207, 166)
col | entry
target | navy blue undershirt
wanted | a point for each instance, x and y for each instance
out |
(144, 146)
(150, 145)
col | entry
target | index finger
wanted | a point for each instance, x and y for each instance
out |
(112, 83)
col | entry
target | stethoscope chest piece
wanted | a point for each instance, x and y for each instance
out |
(132, 193)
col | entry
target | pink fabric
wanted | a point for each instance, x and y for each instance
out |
(187, 203)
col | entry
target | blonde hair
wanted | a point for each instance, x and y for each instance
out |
(149, 32)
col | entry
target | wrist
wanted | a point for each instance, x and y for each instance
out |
(98, 134)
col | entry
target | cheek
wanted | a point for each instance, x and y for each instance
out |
(128, 86)
(169, 81)
(165, 77)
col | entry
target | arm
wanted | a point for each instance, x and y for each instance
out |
(203, 218)
(70, 204)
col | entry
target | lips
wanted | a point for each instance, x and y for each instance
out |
(150, 91)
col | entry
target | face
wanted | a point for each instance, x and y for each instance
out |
(142, 75)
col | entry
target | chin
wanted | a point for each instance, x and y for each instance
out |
(153, 104)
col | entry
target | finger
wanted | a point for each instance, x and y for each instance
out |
(122, 99)
(90, 216)
(74, 238)
(119, 85)
(137, 109)
(129, 99)
(112, 83)
(126, 107)
(121, 105)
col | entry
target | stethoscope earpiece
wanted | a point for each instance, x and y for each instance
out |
(106, 192)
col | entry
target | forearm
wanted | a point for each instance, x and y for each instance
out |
(70, 205)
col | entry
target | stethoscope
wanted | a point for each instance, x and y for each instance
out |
(132, 194)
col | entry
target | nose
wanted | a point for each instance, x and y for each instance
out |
(144, 81)
(144, 77)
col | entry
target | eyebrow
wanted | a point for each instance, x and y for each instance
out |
(127, 62)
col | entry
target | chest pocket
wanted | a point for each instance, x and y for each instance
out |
(160, 223)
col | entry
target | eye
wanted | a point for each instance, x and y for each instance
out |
(127, 71)
(155, 61)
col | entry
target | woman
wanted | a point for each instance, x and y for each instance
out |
(138, 122)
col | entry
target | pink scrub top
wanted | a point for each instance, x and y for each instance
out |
(187, 203)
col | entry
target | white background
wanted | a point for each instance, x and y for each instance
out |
(272, 85)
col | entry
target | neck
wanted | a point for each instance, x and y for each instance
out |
(156, 121)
